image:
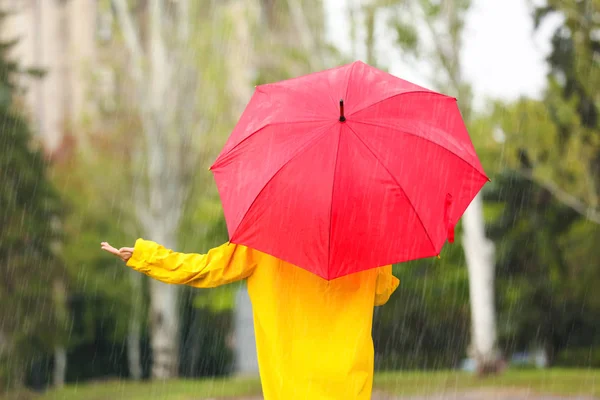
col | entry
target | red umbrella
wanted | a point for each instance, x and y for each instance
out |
(347, 169)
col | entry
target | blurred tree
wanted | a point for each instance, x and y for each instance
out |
(563, 154)
(31, 320)
(546, 269)
(292, 40)
(425, 324)
(156, 35)
(551, 151)
(94, 186)
(101, 300)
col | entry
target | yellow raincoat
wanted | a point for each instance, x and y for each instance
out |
(313, 337)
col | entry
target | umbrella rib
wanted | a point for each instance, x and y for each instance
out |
(398, 184)
(424, 138)
(337, 153)
(230, 151)
(300, 152)
(348, 82)
(402, 94)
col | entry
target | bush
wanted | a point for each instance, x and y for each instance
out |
(588, 357)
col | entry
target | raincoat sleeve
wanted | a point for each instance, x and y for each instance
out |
(221, 265)
(385, 286)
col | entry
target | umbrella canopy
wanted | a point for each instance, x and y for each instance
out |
(347, 169)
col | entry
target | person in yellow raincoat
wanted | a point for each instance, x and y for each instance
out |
(313, 336)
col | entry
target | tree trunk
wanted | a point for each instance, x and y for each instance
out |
(161, 199)
(479, 254)
(246, 359)
(60, 366)
(369, 13)
(165, 332)
(12, 378)
(60, 353)
(478, 249)
(164, 321)
(134, 333)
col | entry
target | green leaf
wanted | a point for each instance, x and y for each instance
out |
(407, 37)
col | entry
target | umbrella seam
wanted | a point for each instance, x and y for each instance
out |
(349, 79)
(301, 151)
(428, 140)
(337, 153)
(400, 186)
(219, 160)
(402, 94)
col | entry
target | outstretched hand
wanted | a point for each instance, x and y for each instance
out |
(124, 253)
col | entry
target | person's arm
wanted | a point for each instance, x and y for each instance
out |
(385, 286)
(221, 265)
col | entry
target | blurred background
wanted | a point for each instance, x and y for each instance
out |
(111, 111)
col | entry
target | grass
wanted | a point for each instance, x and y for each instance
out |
(554, 381)
(180, 389)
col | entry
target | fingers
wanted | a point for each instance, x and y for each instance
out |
(124, 253)
(107, 247)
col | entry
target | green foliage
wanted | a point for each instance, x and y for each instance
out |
(95, 188)
(219, 299)
(205, 342)
(582, 357)
(532, 273)
(29, 238)
(407, 37)
(425, 324)
(100, 292)
(557, 140)
(548, 186)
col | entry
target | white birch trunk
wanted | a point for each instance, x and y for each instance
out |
(478, 249)
(162, 95)
(59, 371)
(479, 254)
(135, 328)
(246, 359)
(165, 204)
(60, 366)
(164, 321)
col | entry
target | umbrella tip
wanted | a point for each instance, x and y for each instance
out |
(342, 117)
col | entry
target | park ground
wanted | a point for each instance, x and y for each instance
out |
(553, 384)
